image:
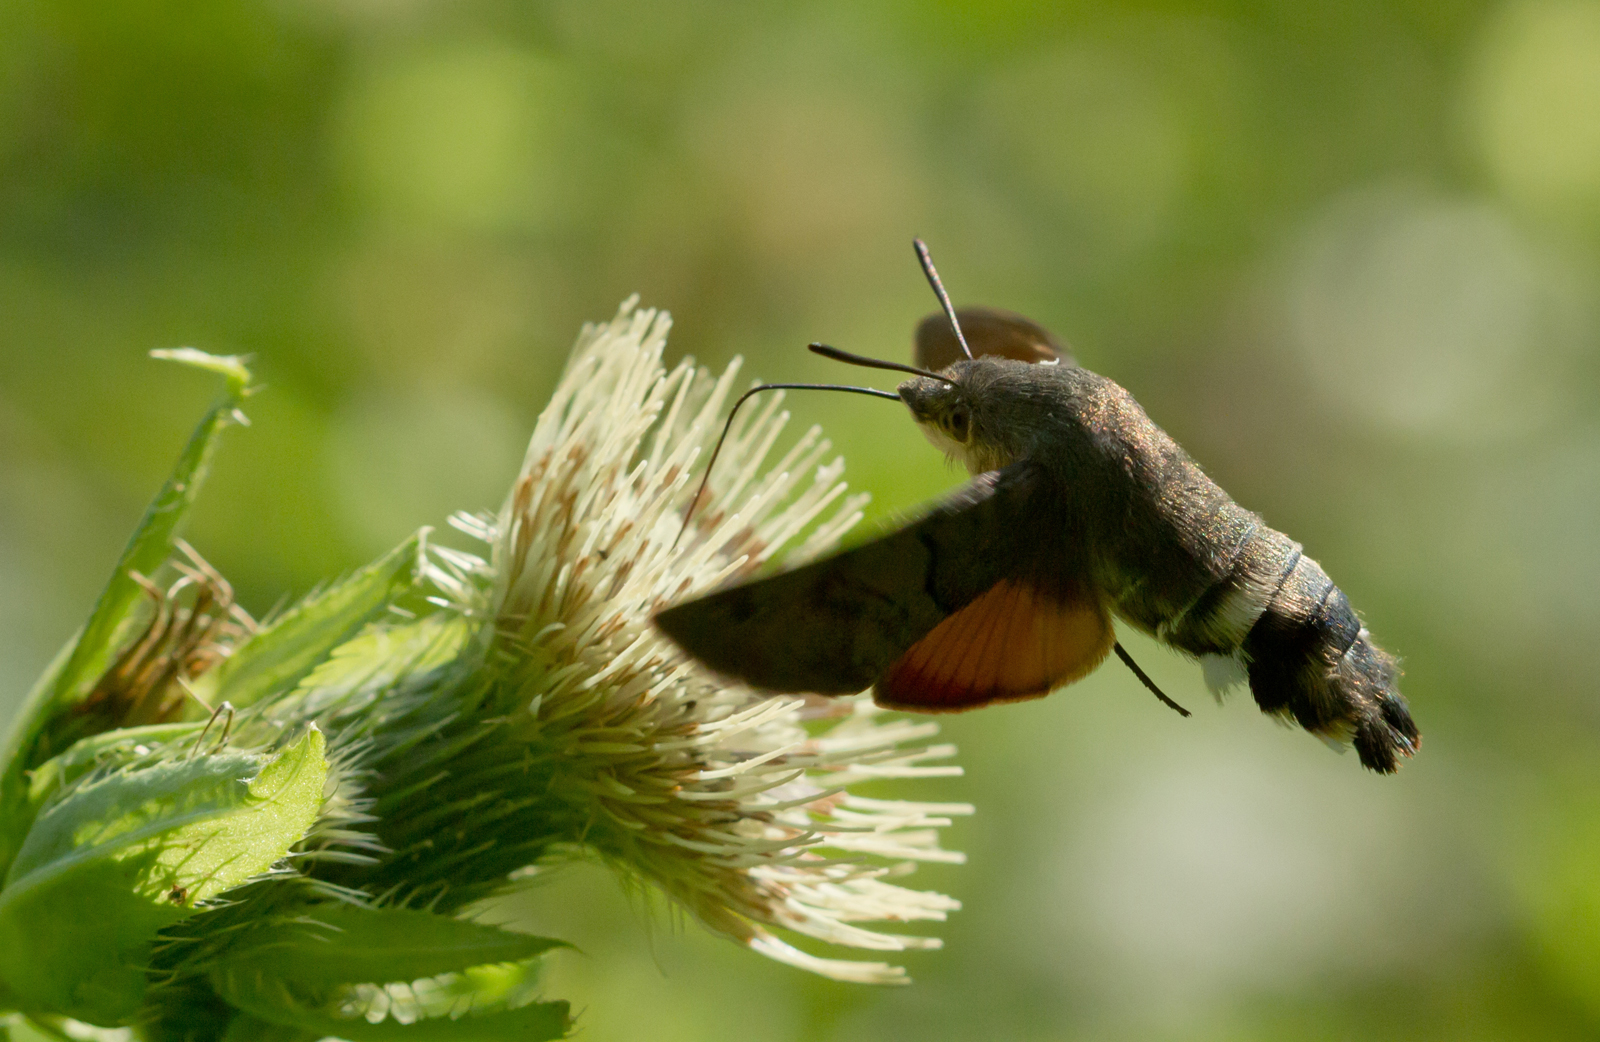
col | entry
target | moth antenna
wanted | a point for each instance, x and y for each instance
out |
(726, 427)
(1127, 660)
(938, 290)
(873, 363)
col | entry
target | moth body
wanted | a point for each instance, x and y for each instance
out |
(1168, 551)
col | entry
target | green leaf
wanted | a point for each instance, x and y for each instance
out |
(348, 944)
(336, 967)
(280, 654)
(535, 1022)
(152, 540)
(31, 717)
(117, 858)
(283, 803)
(19, 1028)
(381, 656)
(87, 656)
(230, 366)
(16, 812)
(245, 1028)
(44, 1028)
(267, 999)
(122, 745)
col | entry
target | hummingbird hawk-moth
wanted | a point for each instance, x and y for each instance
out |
(1081, 510)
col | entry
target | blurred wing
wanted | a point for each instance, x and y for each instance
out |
(1013, 642)
(989, 331)
(839, 624)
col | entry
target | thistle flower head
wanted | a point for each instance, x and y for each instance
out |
(735, 804)
(315, 867)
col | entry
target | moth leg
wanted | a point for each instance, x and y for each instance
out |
(1144, 678)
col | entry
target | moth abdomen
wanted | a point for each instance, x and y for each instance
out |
(1308, 657)
(1269, 614)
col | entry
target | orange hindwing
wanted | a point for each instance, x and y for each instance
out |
(1011, 643)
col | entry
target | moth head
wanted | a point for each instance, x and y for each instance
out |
(954, 420)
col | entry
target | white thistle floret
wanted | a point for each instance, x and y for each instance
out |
(721, 796)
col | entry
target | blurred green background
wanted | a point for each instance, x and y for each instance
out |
(1345, 252)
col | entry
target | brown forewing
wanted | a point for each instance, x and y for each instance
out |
(836, 626)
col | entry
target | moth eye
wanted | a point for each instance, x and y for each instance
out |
(955, 423)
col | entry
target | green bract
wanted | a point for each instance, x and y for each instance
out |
(280, 654)
(145, 862)
(118, 857)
